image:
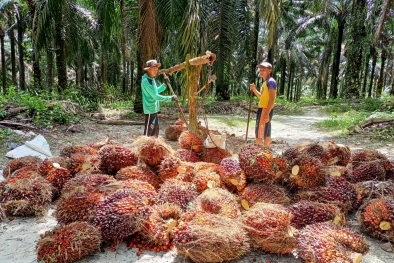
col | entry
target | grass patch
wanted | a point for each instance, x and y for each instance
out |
(233, 122)
(340, 123)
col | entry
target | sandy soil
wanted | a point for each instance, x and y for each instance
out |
(18, 237)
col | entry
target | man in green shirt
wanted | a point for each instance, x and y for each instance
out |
(151, 97)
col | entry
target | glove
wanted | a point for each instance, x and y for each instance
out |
(174, 98)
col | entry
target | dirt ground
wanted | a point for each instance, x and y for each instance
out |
(19, 236)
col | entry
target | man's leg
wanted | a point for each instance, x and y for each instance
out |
(259, 130)
(267, 131)
(151, 125)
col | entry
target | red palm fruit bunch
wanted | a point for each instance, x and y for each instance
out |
(291, 154)
(232, 175)
(373, 170)
(259, 192)
(187, 155)
(214, 155)
(168, 168)
(121, 214)
(52, 162)
(138, 172)
(100, 183)
(257, 163)
(67, 151)
(390, 172)
(335, 154)
(327, 243)
(68, 243)
(58, 177)
(336, 170)
(173, 132)
(161, 220)
(310, 149)
(25, 172)
(375, 189)
(217, 201)
(114, 158)
(364, 156)
(206, 179)
(25, 196)
(143, 189)
(176, 192)
(377, 218)
(82, 163)
(78, 205)
(280, 167)
(211, 238)
(307, 172)
(18, 163)
(191, 141)
(308, 213)
(152, 150)
(269, 228)
(209, 167)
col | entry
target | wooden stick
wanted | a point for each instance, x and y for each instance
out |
(247, 125)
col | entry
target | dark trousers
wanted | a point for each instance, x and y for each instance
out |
(267, 129)
(151, 125)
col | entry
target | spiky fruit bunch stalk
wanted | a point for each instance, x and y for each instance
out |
(257, 163)
(58, 177)
(121, 214)
(214, 155)
(210, 238)
(336, 170)
(67, 151)
(82, 163)
(232, 175)
(335, 154)
(78, 205)
(100, 183)
(25, 196)
(52, 162)
(307, 172)
(140, 173)
(161, 220)
(176, 192)
(259, 192)
(191, 141)
(145, 190)
(269, 228)
(68, 243)
(152, 150)
(217, 201)
(187, 156)
(173, 132)
(328, 243)
(114, 158)
(364, 156)
(377, 218)
(308, 213)
(18, 163)
(205, 179)
(373, 170)
(168, 168)
(375, 189)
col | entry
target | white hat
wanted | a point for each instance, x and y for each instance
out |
(151, 63)
(264, 65)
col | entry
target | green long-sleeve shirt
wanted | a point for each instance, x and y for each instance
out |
(151, 96)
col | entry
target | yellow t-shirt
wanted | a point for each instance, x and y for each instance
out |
(265, 96)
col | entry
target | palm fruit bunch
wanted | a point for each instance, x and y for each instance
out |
(168, 168)
(68, 243)
(67, 151)
(176, 192)
(187, 156)
(191, 141)
(152, 150)
(17, 163)
(377, 218)
(173, 132)
(373, 170)
(257, 163)
(232, 175)
(375, 189)
(82, 163)
(327, 243)
(25, 196)
(336, 170)
(100, 183)
(364, 156)
(217, 201)
(140, 173)
(161, 220)
(204, 179)
(335, 154)
(78, 205)
(114, 158)
(143, 189)
(58, 177)
(214, 155)
(313, 150)
(52, 162)
(98, 145)
(210, 238)
(259, 192)
(280, 167)
(307, 172)
(209, 167)
(269, 227)
(290, 155)
(121, 214)
(25, 172)
(390, 172)
(308, 213)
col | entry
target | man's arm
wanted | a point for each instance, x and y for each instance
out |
(252, 87)
(151, 90)
(271, 102)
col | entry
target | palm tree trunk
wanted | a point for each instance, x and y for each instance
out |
(365, 79)
(374, 58)
(336, 62)
(11, 36)
(50, 67)
(282, 75)
(21, 50)
(60, 55)
(255, 42)
(3, 65)
(380, 86)
(36, 70)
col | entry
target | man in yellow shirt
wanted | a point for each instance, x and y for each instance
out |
(266, 104)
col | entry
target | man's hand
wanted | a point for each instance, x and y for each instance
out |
(252, 87)
(174, 98)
